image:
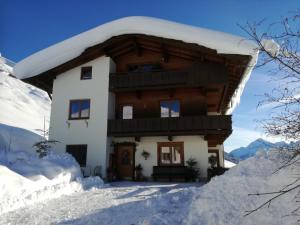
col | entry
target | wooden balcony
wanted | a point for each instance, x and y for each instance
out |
(194, 125)
(200, 75)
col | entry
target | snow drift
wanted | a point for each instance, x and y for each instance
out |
(225, 199)
(26, 179)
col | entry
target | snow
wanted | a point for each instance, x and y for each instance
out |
(24, 105)
(228, 164)
(223, 200)
(68, 49)
(271, 46)
(26, 179)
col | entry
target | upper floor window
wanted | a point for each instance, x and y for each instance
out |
(127, 112)
(86, 73)
(144, 68)
(79, 109)
(169, 109)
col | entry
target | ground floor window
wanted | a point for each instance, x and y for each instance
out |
(170, 153)
(214, 153)
(78, 152)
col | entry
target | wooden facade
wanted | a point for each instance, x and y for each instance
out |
(202, 80)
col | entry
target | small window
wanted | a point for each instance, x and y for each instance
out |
(169, 108)
(144, 68)
(86, 73)
(79, 109)
(127, 112)
(170, 153)
(78, 152)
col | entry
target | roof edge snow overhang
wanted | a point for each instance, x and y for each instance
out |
(46, 64)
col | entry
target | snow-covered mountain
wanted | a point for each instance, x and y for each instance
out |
(243, 153)
(22, 105)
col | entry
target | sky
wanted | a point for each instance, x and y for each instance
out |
(29, 26)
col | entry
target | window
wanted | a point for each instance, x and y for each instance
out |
(170, 153)
(144, 68)
(86, 73)
(79, 109)
(169, 108)
(78, 152)
(127, 112)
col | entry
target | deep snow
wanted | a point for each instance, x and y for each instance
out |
(222, 201)
(26, 179)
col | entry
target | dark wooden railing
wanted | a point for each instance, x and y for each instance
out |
(198, 75)
(201, 125)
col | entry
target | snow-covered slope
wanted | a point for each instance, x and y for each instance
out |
(259, 144)
(22, 105)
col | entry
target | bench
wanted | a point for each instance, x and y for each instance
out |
(169, 172)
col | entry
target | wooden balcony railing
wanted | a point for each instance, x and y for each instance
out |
(192, 125)
(198, 75)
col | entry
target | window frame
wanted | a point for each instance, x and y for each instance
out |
(80, 109)
(170, 144)
(82, 71)
(85, 148)
(122, 112)
(169, 108)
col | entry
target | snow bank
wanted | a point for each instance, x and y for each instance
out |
(17, 139)
(26, 179)
(225, 199)
(66, 50)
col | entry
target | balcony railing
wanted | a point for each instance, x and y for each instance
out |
(199, 75)
(192, 125)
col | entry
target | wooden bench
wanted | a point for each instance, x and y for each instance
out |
(169, 172)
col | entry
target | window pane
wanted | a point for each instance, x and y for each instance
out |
(176, 157)
(174, 108)
(164, 109)
(74, 109)
(165, 155)
(127, 112)
(85, 108)
(86, 73)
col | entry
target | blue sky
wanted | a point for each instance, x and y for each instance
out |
(29, 26)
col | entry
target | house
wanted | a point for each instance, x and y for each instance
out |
(141, 90)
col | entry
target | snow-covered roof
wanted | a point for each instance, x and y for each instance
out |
(66, 50)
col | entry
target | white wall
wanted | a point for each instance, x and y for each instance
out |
(93, 131)
(194, 146)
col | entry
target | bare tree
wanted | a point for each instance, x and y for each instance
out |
(280, 51)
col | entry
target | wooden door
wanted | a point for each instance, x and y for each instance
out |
(125, 161)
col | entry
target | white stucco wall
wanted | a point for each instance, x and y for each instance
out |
(194, 147)
(93, 131)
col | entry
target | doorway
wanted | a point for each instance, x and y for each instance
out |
(125, 160)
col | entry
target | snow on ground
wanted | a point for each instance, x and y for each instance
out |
(121, 203)
(26, 179)
(17, 139)
(228, 164)
(224, 200)
(22, 105)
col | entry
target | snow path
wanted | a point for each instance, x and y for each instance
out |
(120, 203)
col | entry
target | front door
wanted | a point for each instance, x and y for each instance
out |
(125, 161)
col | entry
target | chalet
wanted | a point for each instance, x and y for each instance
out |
(142, 91)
